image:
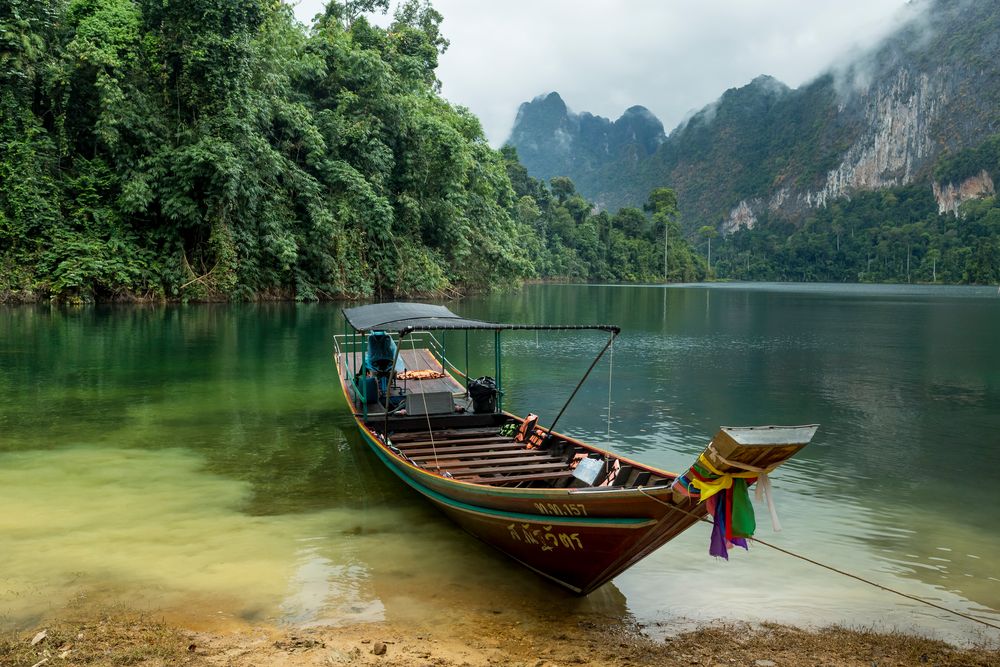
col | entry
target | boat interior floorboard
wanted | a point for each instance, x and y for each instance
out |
(537, 467)
(446, 434)
(513, 479)
(504, 454)
(479, 454)
(449, 442)
(445, 450)
(499, 464)
(412, 360)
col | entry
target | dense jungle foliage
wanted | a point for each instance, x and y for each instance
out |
(218, 149)
(571, 240)
(894, 235)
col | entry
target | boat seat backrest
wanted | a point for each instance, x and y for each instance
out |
(612, 473)
(526, 428)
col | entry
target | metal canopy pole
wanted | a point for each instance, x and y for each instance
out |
(353, 366)
(364, 378)
(580, 383)
(497, 369)
(388, 390)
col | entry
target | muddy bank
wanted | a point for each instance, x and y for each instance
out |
(128, 638)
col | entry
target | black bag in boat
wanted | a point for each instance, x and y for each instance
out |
(483, 392)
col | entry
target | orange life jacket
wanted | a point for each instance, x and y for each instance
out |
(536, 438)
(527, 427)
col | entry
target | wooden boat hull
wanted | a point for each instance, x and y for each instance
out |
(578, 538)
(504, 492)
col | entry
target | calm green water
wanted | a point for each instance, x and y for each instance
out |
(199, 461)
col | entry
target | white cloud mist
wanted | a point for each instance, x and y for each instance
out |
(669, 56)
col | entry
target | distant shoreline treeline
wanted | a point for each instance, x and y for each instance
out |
(219, 150)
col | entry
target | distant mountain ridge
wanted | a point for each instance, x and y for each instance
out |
(931, 88)
(557, 139)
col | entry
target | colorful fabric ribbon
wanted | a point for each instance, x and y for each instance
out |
(733, 519)
(728, 501)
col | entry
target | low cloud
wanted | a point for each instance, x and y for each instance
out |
(672, 58)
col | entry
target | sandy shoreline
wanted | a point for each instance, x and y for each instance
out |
(131, 638)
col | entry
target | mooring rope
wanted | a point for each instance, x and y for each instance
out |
(812, 561)
(611, 372)
(430, 431)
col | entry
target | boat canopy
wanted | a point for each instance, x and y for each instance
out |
(401, 317)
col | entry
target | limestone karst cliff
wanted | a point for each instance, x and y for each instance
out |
(885, 119)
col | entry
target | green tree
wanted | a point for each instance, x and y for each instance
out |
(708, 232)
(662, 203)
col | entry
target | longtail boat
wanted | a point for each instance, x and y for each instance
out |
(574, 513)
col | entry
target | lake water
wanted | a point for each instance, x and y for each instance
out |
(199, 461)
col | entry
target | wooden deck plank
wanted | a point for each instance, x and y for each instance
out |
(409, 423)
(510, 479)
(444, 454)
(417, 444)
(485, 463)
(408, 436)
(531, 467)
(420, 359)
(463, 449)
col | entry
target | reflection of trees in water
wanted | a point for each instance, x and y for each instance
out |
(901, 386)
(250, 388)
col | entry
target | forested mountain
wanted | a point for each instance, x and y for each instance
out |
(574, 241)
(929, 91)
(554, 141)
(218, 149)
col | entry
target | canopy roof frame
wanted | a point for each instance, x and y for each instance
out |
(405, 317)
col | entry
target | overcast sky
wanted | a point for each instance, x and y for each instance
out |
(671, 56)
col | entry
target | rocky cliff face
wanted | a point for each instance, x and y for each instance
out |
(741, 217)
(950, 196)
(932, 88)
(896, 138)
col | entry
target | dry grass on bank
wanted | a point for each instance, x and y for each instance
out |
(132, 639)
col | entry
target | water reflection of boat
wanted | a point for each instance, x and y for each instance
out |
(574, 513)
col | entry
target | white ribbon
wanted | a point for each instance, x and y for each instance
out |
(764, 489)
(763, 482)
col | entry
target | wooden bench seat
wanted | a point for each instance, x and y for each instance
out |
(445, 450)
(409, 436)
(532, 467)
(471, 463)
(457, 441)
(521, 454)
(511, 479)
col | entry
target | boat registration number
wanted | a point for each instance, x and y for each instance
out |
(561, 509)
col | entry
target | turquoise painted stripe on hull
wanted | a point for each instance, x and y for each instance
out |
(623, 522)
